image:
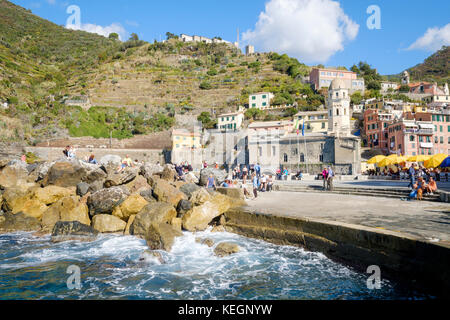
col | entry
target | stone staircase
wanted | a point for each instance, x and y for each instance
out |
(363, 191)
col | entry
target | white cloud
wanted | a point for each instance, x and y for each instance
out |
(103, 31)
(311, 30)
(433, 39)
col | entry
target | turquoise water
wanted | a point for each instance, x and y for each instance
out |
(111, 268)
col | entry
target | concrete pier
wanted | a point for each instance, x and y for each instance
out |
(409, 241)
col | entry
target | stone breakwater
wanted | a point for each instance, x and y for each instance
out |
(75, 200)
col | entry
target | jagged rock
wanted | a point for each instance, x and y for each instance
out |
(15, 173)
(164, 192)
(199, 217)
(190, 177)
(41, 170)
(161, 236)
(138, 184)
(18, 222)
(70, 173)
(149, 255)
(189, 189)
(207, 241)
(129, 223)
(177, 224)
(104, 201)
(148, 170)
(183, 207)
(147, 195)
(52, 194)
(82, 189)
(117, 179)
(225, 249)
(96, 186)
(200, 196)
(235, 193)
(131, 206)
(73, 230)
(111, 160)
(14, 199)
(169, 173)
(219, 176)
(152, 213)
(106, 223)
(34, 208)
(66, 209)
(218, 229)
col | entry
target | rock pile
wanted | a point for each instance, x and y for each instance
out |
(75, 200)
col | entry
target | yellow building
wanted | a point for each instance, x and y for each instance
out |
(375, 104)
(315, 121)
(420, 109)
(184, 139)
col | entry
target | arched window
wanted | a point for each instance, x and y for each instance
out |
(286, 158)
(302, 157)
(337, 94)
(337, 111)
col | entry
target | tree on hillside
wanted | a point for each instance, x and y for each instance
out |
(134, 37)
(205, 119)
(254, 114)
(404, 88)
(356, 98)
(374, 85)
(113, 36)
(170, 35)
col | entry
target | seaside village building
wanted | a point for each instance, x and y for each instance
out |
(278, 144)
(322, 78)
(260, 100)
(230, 121)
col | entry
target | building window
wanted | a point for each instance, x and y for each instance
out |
(412, 138)
(442, 140)
(436, 139)
(254, 98)
(323, 126)
(273, 150)
(302, 157)
(264, 96)
(254, 105)
(441, 129)
(260, 151)
(295, 152)
(264, 104)
(321, 158)
(286, 158)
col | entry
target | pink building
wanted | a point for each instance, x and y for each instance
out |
(410, 138)
(441, 128)
(322, 78)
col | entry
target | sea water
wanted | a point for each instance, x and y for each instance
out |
(114, 267)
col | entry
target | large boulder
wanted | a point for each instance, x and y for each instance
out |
(189, 189)
(70, 173)
(15, 173)
(190, 177)
(225, 249)
(219, 176)
(148, 170)
(117, 179)
(152, 213)
(14, 199)
(138, 184)
(131, 206)
(165, 192)
(34, 208)
(73, 230)
(169, 173)
(18, 222)
(111, 160)
(199, 217)
(41, 171)
(52, 194)
(200, 196)
(66, 209)
(183, 207)
(106, 223)
(235, 193)
(83, 189)
(106, 200)
(147, 194)
(129, 223)
(161, 236)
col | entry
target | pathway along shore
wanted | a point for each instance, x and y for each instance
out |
(409, 241)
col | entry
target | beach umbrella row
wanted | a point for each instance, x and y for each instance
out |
(445, 163)
(429, 161)
(435, 161)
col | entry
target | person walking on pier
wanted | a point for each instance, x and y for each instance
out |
(325, 178)
(330, 179)
(412, 176)
(255, 182)
(244, 174)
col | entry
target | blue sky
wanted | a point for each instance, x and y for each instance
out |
(314, 31)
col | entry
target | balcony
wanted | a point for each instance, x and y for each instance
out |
(426, 145)
(425, 132)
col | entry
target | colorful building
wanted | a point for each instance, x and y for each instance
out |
(184, 139)
(230, 121)
(260, 100)
(315, 121)
(322, 78)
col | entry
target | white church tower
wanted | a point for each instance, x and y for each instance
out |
(338, 104)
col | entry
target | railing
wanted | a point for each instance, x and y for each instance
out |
(419, 131)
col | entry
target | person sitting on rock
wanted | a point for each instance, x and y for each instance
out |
(211, 182)
(126, 163)
(92, 160)
(431, 186)
(66, 151)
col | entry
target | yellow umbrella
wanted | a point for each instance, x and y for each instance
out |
(386, 162)
(435, 160)
(375, 159)
(419, 158)
(401, 159)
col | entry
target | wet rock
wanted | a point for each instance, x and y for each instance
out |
(106, 223)
(18, 222)
(104, 201)
(199, 217)
(149, 255)
(218, 229)
(164, 192)
(219, 176)
(183, 207)
(224, 249)
(152, 213)
(161, 236)
(66, 209)
(207, 241)
(52, 194)
(82, 189)
(131, 206)
(189, 189)
(73, 230)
